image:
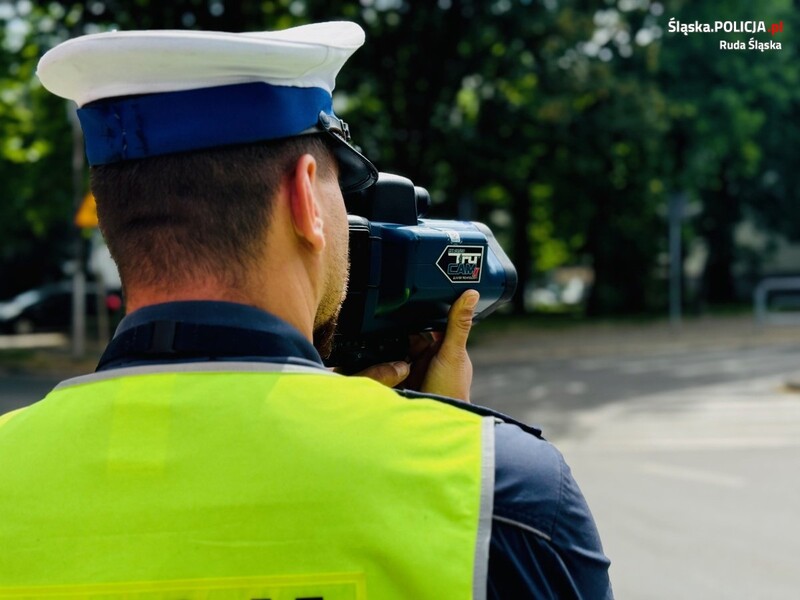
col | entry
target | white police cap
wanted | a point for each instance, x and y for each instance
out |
(150, 93)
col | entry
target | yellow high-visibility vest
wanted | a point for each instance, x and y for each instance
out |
(242, 480)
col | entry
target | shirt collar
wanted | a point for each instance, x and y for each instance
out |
(288, 341)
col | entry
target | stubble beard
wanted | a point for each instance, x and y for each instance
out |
(328, 313)
(327, 316)
(323, 337)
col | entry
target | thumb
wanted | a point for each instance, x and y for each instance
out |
(459, 324)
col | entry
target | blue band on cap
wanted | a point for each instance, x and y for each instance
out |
(170, 122)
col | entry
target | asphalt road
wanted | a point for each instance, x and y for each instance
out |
(18, 390)
(689, 461)
(688, 452)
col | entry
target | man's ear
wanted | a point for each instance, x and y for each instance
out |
(304, 205)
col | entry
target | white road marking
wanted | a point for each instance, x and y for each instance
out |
(751, 415)
(674, 444)
(576, 388)
(538, 392)
(693, 365)
(694, 475)
(750, 364)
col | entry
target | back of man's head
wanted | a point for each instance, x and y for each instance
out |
(189, 135)
(170, 220)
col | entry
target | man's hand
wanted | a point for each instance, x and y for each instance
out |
(439, 362)
(389, 374)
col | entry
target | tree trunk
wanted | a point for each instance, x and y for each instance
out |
(721, 216)
(521, 214)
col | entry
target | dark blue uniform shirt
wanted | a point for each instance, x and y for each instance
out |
(544, 541)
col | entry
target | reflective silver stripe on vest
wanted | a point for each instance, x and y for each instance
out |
(195, 367)
(481, 570)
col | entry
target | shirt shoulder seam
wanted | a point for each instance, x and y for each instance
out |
(560, 502)
(520, 525)
(473, 408)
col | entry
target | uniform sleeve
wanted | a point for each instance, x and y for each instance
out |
(544, 540)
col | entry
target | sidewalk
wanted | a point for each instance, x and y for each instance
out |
(501, 342)
(51, 359)
(522, 342)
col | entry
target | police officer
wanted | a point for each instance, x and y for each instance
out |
(212, 455)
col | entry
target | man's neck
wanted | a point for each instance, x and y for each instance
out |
(282, 301)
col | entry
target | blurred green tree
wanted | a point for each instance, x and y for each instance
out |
(731, 114)
(35, 213)
(564, 124)
(493, 104)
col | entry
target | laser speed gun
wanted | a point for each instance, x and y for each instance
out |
(406, 271)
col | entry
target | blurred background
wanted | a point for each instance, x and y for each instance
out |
(644, 182)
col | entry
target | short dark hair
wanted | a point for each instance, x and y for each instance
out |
(170, 219)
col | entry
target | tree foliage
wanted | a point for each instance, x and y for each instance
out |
(565, 124)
